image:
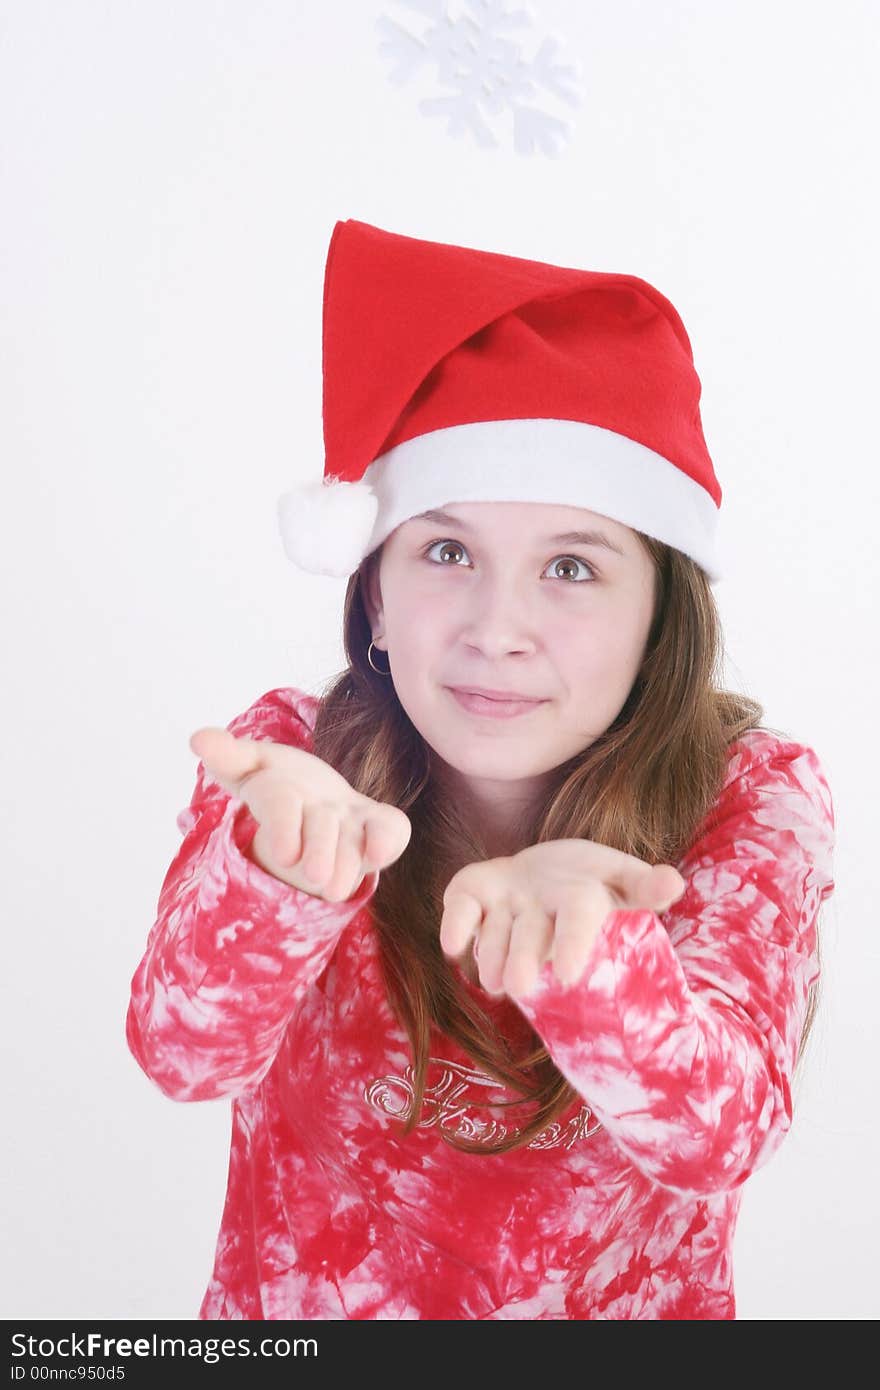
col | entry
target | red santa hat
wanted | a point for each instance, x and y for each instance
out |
(452, 374)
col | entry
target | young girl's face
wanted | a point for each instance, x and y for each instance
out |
(503, 596)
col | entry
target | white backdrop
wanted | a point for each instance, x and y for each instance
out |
(171, 176)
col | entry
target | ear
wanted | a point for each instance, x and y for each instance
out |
(372, 593)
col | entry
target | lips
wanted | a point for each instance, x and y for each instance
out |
(504, 696)
(496, 706)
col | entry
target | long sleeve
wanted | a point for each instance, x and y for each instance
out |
(683, 1032)
(232, 949)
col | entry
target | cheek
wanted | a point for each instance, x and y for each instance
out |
(416, 608)
(417, 620)
(603, 646)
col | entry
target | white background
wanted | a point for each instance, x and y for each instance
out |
(171, 176)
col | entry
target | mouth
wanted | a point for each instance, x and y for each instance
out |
(493, 706)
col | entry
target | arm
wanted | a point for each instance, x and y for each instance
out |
(232, 949)
(682, 1034)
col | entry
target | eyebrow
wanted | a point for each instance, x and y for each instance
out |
(597, 538)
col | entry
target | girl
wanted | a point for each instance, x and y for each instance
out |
(505, 949)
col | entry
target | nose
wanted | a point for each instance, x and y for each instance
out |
(497, 622)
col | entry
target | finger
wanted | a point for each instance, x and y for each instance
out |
(462, 915)
(645, 886)
(276, 805)
(349, 869)
(578, 921)
(228, 759)
(320, 833)
(385, 839)
(492, 947)
(531, 940)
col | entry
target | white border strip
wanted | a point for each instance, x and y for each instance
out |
(562, 462)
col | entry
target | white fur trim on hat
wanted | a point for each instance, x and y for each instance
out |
(565, 462)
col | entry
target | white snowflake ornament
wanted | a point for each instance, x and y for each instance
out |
(471, 54)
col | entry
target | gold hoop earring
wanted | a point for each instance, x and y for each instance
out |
(377, 669)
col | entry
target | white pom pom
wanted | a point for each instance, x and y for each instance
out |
(326, 526)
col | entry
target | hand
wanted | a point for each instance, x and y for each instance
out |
(547, 902)
(315, 831)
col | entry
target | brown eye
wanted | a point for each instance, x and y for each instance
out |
(565, 567)
(446, 546)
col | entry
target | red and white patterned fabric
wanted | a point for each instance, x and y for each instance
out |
(680, 1039)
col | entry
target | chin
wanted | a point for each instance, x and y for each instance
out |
(501, 764)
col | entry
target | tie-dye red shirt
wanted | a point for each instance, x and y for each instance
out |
(680, 1040)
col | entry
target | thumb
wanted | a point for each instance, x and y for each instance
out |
(667, 886)
(228, 759)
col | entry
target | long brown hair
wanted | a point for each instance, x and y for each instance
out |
(644, 787)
